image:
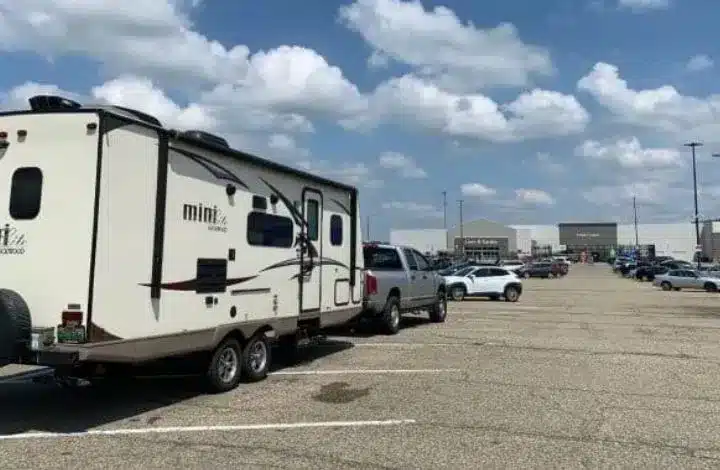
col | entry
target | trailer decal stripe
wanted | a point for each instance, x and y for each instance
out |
(215, 169)
(342, 206)
(191, 284)
(296, 262)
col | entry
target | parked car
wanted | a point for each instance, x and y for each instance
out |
(485, 281)
(400, 279)
(512, 265)
(648, 273)
(541, 269)
(676, 279)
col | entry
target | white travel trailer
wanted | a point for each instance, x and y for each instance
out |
(126, 242)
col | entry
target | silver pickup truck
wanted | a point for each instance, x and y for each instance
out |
(400, 279)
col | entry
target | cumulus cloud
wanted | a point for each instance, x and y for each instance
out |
(437, 44)
(663, 108)
(629, 153)
(421, 103)
(477, 190)
(405, 166)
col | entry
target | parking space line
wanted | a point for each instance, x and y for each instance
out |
(403, 345)
(199, 429)
(363, 371)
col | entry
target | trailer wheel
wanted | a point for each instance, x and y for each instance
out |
(225, 367)
(15, 324)
(256, 358)
(438, 311)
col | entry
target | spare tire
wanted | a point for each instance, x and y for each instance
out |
(15, 324)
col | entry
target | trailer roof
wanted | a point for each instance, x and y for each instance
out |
(125, 115)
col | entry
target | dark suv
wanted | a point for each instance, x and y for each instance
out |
(541, 269)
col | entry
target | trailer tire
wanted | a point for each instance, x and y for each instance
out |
(256, 357)
(225, 367)
(15, 324)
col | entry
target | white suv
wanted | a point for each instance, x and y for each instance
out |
(485, 281)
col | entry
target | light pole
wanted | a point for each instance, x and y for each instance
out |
(444, 194)
(637, 243)
(462, 237)
(692, 146)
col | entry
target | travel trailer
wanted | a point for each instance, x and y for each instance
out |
(126, 242)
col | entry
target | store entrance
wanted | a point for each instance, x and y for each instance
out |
(483, 254)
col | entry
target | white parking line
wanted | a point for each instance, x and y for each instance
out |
(404, 345)
(198, 429)
(364, 371)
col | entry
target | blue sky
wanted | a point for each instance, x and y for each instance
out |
(530, 111)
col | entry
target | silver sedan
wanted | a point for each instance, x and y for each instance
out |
(677, 279)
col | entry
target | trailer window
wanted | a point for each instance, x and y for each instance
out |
(26, 193)
(269, 230)
(336, 230)
(313, 219)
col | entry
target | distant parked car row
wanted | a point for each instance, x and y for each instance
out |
(670, 274)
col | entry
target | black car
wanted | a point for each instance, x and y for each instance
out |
(648, 273)
(541, 269)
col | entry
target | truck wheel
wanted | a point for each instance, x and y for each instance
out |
(438, 311)
(256, 358)
(458, 293)
(512, 294)
(390, 319)
(665, 285)
(225, 367)
(15, 324)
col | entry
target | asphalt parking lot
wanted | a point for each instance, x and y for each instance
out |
(586, 371)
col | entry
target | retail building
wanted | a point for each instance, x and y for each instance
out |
(488, 240)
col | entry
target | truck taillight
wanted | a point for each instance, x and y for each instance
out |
(371, 284)
(72, 318)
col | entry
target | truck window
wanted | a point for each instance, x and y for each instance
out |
(269, 230)
(422, 263)
(381, 258)
(336, 230)
(313, 219)
(412, 264)
(25, 193)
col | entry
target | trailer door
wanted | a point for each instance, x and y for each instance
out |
(311, 266)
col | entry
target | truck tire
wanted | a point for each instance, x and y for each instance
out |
(256, 357)
(438, 310)
(15, 324)
(390, 319)
(225, 367)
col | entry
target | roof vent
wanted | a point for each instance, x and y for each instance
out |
(206, 137)
(52, 103)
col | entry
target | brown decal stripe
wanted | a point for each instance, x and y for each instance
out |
(191, 284)
(98, 334)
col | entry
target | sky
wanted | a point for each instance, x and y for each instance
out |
(530, 112)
